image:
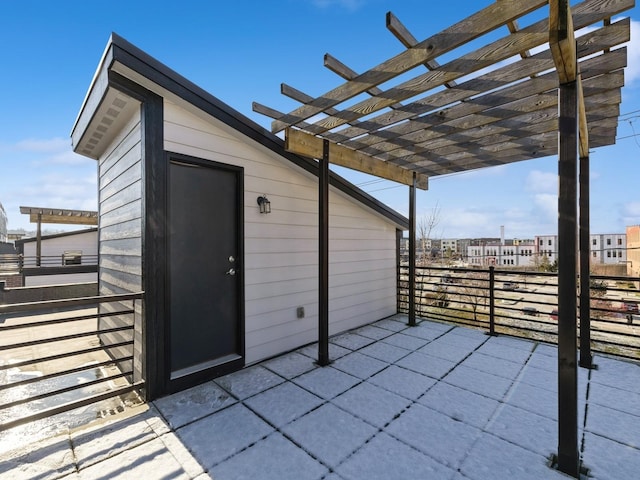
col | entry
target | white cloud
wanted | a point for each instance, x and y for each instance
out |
(632, 209)
(546, 206)
(541, 182)
(51, 145)
(68, 157)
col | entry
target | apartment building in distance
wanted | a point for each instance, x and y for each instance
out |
(502, 253)
(3, 225)
(547, 247)
(633, 251)
(606, 249)
(449, 247)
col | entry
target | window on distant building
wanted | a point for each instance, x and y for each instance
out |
(549, 242)
(609, 253)
(608, 241)
(619, 241)
(614, 254)
(594, 242)
(541, 242)
(595, 254)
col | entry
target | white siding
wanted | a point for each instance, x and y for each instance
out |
(120, 199)
(87, 242)
(281, 248)
(48, 280)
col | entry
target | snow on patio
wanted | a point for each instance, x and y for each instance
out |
(432, 401)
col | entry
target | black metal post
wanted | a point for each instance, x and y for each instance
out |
(586, 359)
(398, 269)
(412, 252)
(492, 301)
(323, 257)
(568, 458)
(39, 241)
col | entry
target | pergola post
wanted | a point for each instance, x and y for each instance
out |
(323, 256)
(568, 458)
(412, 253)
(586, 359)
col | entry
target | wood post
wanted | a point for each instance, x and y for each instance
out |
(568, 458)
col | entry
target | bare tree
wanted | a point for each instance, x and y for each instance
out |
(426, 224)
(475, 290)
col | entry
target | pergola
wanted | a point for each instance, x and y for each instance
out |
(487, 106)
(42, 215)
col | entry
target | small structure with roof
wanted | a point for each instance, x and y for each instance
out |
(207, 212)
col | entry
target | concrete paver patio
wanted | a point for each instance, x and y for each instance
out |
(428, 402)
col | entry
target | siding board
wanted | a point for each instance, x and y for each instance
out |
(116, 166)
(129, 176)
(122, 214)
(127, 229)
(128, 194)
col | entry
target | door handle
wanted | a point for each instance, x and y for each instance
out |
(231, 271)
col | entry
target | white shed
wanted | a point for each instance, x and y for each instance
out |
(68, 257)
(180, 176)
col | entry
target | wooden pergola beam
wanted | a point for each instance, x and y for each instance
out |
(342, 70)
(402, 33)
(60, 216)
(392, 122)
(583, 127)
(484, 21)
(562, 41)
(302, 143)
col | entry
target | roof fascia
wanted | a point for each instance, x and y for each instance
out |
(56, 235)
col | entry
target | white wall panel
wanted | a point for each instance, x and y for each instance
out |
(281, 250)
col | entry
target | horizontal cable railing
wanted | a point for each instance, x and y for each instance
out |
(525, 304)
(55, 356)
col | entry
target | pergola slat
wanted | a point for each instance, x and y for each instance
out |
(548, 122)
(588, 44)
(339, 68)
(421, 140)
(530, 37)
(482, 58)
(484, 21)
(402, 33)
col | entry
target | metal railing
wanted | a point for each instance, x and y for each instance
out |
(524, 304)
(57, 356)
(19, 262)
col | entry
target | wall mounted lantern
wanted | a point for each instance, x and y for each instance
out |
(264, 204)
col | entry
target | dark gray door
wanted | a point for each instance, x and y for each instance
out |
(205, 333)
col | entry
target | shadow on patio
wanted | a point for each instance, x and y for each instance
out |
(398, 402)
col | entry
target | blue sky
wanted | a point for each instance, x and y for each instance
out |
(240, 52)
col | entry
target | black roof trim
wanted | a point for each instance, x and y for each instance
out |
(56, 235)
(141, 62)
